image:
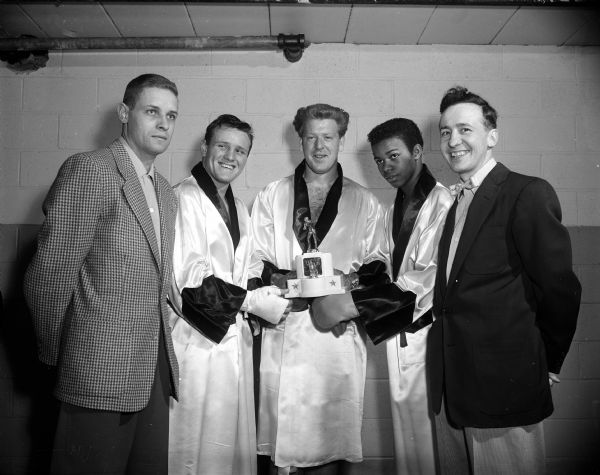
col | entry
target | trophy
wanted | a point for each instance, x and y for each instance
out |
(314, 271)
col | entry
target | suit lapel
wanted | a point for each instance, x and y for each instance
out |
(134, 195)
(480, 208)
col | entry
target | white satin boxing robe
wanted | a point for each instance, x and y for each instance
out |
(411, 418)
(312, 382)
(212, 426)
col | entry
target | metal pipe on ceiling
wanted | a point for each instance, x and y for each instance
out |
(292, 45)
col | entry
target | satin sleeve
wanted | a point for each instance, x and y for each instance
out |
(374, 235)
(207, 303)
(386, 310)
(263, 231)
(417, 273)
(375, 267)
(255, 267)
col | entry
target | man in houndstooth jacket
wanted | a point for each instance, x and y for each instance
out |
(97, 292)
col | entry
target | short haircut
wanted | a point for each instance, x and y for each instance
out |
(404, 129)
(459, 94)
(320, 112)
(229, 121)
(138, 84)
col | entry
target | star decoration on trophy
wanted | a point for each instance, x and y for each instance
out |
(314, 270)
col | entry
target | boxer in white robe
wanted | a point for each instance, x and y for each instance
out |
(312, 381)
(212, 427)
(413, 227)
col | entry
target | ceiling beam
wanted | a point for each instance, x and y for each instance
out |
(472, 3)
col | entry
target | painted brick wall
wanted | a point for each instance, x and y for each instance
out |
(548, 99)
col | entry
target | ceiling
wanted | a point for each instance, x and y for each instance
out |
(334, 21)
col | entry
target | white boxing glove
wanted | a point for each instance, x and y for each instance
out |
(266, 303)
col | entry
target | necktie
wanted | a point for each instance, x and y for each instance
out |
(464, 198)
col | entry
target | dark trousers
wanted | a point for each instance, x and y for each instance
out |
(90, 441)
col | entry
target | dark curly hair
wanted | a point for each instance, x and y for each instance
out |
(320, 112)
(459, 95)
(405, 129)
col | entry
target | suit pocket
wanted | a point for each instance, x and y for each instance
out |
(489, 252)
(96, 358)
(509, 378)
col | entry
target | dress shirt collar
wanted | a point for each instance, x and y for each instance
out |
(139, 167)
(479, 176)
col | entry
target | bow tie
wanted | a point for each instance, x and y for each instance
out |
(457, 188)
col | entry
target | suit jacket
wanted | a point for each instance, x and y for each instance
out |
(97, 288)
(508, 312)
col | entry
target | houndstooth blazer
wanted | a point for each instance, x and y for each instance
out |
(97, 288)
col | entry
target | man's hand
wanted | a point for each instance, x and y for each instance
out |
(280, 280)
(333, 309)
(553, 378)
(267, 303)
(298, 304)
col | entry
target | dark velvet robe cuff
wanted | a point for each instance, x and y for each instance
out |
(212, 307)
(373, 273)
(255, 283)
(384, 310)
(270, 269)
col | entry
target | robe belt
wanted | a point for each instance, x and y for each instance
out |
(414, 327)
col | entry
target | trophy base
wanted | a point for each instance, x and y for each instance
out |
(315, 286)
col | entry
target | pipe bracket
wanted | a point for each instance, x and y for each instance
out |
(292, 46)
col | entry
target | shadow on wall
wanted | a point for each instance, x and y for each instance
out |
(433, 157)
(29, 418)
(292, 142)
(108, 129)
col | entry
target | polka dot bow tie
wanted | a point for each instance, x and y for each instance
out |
(460, 186)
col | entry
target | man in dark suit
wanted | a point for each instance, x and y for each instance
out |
(505, 301)
(97, 289)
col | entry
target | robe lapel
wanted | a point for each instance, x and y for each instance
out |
(403, 223)
(208, 186)
(135, 197)
(479, 210)
(234, 223)
(302, 206)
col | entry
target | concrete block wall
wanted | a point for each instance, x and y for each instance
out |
(548, 100)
